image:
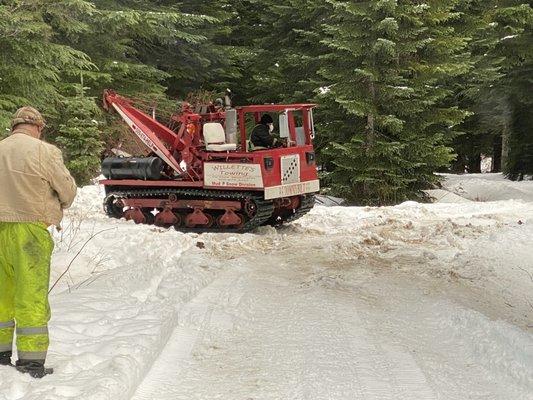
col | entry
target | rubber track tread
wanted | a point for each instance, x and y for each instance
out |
(265, 208)
(307, 204)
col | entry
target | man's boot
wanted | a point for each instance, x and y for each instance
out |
(5, 357)
(35, 368)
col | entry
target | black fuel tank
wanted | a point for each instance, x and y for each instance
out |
(148, 168)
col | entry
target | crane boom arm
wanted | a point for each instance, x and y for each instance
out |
(152, 133)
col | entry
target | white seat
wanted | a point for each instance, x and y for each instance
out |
(215, 138)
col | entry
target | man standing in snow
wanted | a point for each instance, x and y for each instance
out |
(35, 187)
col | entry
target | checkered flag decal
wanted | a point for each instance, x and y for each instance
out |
(290, 169)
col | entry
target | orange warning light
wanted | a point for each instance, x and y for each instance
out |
(191, 129)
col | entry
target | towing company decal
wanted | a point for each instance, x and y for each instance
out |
(293, 189)
(233, 175)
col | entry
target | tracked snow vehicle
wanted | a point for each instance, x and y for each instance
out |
(202, 173)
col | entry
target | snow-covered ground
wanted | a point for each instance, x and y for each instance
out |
(488, 187)
(417, 301)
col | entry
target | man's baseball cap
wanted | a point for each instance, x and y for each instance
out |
(28, 115)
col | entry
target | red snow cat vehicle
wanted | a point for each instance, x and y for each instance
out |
(203, 174)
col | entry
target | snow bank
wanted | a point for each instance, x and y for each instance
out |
(115, 307)
(125, 288)
(445, 196)
(483, 245)
(488, 187)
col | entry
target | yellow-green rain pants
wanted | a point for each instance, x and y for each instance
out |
(25, 252)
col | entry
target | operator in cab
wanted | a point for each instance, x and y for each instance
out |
(262, 136)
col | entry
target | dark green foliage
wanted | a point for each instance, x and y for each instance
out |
(468, 89)
(498, 90)
(79, 136)
(515, 48)
(387, 71)
(50, 48)
(401, 85)
(32, 63)
(435, 74)
(284, 62)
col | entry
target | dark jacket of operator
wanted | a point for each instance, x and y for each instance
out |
(261, 136)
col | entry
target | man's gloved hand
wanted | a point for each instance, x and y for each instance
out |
(283, 142)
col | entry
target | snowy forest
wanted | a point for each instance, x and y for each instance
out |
(362, 231)
(405, 88)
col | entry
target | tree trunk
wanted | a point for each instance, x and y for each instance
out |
(497, 154)
(506, 138)
(474, 164)
(370, 133)
(458, 166)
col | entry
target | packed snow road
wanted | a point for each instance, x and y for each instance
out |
(407, 302)
(297, 315)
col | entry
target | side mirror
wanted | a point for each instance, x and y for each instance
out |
(284, 126)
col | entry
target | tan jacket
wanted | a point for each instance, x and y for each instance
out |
(35, 185)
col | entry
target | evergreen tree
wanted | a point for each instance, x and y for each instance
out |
(50, 48)
(215, 66)
(497, 90)
(394, 80)
(387, 69)
(136, 45)
(471, 89)
(514, 21)
(79, 135)
(242, 28)
(33, 64)
(286, 48)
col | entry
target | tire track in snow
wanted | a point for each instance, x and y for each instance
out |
(384, 372)
(380, 372)
(160, 381)
(303, 344)
(409, 378)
